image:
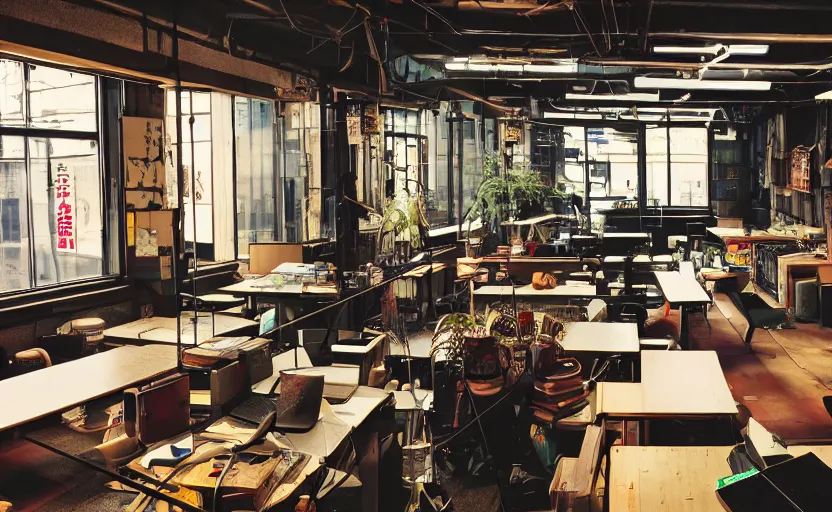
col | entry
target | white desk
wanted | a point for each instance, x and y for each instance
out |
(51, 390)
(685, 292)
(601, 337)
(673, 383)
(529, 291)
(161, 329)
(679, 289)
(262, 286)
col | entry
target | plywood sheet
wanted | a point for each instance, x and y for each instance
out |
(671, 479)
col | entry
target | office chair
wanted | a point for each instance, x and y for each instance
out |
(628, 312)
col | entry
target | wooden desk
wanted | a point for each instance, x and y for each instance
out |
(684, 292)
(537, 220)
(601, 337)
(738, 236)
(527, 291)
(52, 390)
(161, 329)
(673, 383)
(671, 479)
(786, 267)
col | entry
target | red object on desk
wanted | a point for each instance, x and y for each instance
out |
(531, 247)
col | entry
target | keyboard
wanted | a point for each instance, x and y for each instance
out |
(254, 409)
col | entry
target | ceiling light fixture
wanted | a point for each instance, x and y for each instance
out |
(481, 66)
(824, 96)
(645, 82)
(733, 49)
(630, 96)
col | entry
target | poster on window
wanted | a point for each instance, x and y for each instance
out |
(65, 214)
(145, 150)
(354, 130)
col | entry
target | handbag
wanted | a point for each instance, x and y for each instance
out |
(159, 410)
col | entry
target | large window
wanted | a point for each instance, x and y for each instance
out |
(51, 195)
(405, 147)
(256, 170)
(571, 177)
(686, 182)
(300, 164)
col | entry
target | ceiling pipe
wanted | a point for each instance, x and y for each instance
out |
(755, 37)
(768, 6)
(718, 65)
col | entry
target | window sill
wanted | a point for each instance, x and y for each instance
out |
(20, 308)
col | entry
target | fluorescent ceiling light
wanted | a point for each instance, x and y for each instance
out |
(630, 96)
(460, 59)
(551, 68)
(484, 66)
(824, 96)
(733, 49)
(644, 82)
(570, 115)
(455, 66)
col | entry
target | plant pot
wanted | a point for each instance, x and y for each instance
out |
(528, 209)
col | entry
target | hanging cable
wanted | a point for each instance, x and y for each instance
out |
(577, 17)
(438, 16)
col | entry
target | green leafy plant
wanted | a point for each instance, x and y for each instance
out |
(501, 196)
(450, 334)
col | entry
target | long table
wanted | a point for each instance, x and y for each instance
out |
(34, 395)
(674, 384)
(161, 329)
(569, 291)
(601, 337)
(683, 292)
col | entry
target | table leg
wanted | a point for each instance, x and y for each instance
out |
(683, 327)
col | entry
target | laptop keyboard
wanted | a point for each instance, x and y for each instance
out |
(254, 409)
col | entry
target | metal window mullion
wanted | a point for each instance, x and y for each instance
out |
(669, 174)
(28, 169)
(234, 175)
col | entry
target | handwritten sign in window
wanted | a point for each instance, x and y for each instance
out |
(65, 209)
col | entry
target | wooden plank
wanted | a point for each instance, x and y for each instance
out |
(666, 479)
(529, 291)
(601, 337)
(51, 390)
(824, 452)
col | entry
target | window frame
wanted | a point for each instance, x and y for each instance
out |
(108, 273)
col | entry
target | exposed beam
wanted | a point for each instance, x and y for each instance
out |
(755, 37)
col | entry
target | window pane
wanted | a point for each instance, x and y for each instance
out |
(572, 176)
(66, 209)
(438, 195)
(12, 98)
(254, 131)
(472, 163)
(14, 231)
(656, 146)
(689, 166)
(61, 100)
